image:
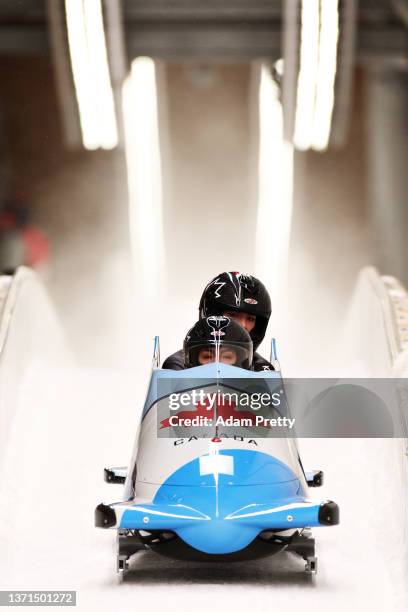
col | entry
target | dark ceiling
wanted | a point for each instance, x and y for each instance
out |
(192, 29)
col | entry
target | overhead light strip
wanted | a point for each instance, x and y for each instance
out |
(309, 62)
(317, 73)
(90, 68)
(143, 160)
(275, 189)
(326, 74)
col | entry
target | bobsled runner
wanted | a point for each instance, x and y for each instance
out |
(213, 492)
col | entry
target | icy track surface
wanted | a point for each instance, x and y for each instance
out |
(67, 424)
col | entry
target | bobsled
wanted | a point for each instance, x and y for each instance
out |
(210, 482)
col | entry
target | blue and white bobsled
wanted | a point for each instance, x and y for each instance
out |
(216, 492)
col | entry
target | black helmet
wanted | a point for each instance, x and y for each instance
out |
(238, 292)
(218, 335)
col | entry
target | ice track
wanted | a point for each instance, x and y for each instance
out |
(60, 425)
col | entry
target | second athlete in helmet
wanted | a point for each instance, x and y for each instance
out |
(240, 297)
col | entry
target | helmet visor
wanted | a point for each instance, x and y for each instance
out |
(230, 353)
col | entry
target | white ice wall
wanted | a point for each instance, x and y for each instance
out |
(374, 341)
(375, 344)
(59, 438)
(29, 335)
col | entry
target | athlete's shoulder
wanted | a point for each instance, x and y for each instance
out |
(261, 364)
(174, 361)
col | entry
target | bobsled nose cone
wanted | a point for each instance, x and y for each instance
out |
(217, 536)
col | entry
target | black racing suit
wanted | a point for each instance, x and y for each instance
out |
(176, 362)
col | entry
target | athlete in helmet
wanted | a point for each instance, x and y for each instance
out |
(240, 297)
(218, 338)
